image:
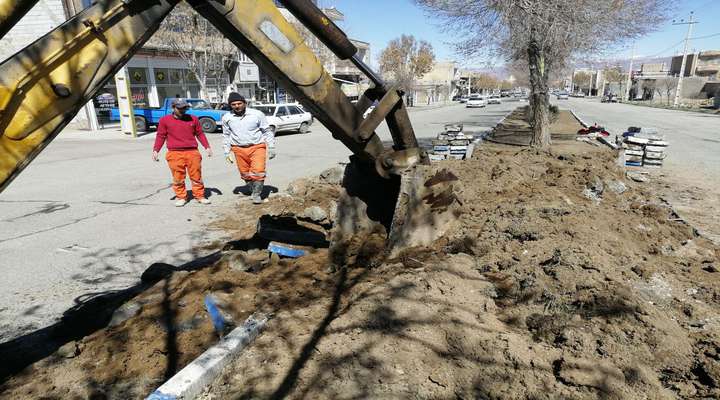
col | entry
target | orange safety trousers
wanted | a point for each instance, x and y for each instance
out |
(251, 161)
(190, 161)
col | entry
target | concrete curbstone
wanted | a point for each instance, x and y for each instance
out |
(191, 380)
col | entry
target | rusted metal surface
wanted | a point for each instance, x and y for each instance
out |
(427, 207)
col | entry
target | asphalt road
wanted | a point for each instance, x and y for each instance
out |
(694, 152)
(93, 211)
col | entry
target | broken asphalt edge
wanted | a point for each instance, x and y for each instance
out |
(192, 380)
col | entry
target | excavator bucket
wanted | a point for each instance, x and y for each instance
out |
(391, 193)
(379, 217)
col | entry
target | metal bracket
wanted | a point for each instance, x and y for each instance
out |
(395, 162)
(385, 106)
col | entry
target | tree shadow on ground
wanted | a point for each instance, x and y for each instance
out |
(312, 370)
(92, 312)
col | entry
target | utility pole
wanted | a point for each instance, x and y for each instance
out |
(629, 76)
(684, 58)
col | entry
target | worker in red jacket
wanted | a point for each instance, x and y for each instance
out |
(182, 132)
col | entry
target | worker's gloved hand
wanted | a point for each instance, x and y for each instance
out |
(271, 153)
(229, 159)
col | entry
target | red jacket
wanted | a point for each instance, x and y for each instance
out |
(180, 133)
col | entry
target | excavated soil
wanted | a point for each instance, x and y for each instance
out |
(515, 128)
(564, 279)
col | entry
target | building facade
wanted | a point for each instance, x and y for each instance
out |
(156, 72)
(438, 85)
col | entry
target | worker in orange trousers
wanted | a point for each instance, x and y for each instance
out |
(182, 131)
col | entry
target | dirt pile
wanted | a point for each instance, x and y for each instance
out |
(565, 280)
(515, 129)
(165, 326)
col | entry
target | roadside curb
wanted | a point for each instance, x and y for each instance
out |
(577, 117)
(191, 380)
(430, 107)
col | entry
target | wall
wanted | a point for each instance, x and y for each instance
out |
(41, 19)
(690, 63)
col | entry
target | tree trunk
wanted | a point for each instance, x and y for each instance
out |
(539, 98)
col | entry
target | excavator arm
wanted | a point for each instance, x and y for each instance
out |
(43, 86)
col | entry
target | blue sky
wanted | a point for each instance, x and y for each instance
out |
(379, 21)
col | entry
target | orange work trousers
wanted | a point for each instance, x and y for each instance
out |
(181, 161)
(251, 161)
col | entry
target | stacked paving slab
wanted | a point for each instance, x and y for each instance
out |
(452, 144)
(644, 147)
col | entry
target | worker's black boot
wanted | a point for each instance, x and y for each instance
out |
(247, 190)
(257, 192)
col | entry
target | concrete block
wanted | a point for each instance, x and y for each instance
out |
(191, 380)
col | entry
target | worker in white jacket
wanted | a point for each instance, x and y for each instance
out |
(247, 134)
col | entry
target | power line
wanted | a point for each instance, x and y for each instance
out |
(669, 48)
(705, 37)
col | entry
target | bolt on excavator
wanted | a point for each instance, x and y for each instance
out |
(44, 85)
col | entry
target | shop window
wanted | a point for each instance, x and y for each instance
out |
(162, 76)
(171, 91)
(140, 96)
(175, 76)
(189, 77)
(137, 75)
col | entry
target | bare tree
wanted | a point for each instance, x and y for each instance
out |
(666, 87)
(206, 51)
(583, 80)
(405, 60)
(614, 75)
(483, 81)
(506, 85)
(544, 34)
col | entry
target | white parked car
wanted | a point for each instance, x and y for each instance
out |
(476, 100)
(286, 117)
(562, 96)
(494, 99)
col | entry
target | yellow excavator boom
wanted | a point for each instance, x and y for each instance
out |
(43, 86)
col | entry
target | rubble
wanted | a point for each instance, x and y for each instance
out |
(332, 176)
(315, 214)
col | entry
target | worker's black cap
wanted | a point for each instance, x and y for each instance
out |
(234, 96)
(180, 103)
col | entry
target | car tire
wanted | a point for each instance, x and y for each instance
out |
(208, 125)
(303, 128)
(141, 124)
(273, 128)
